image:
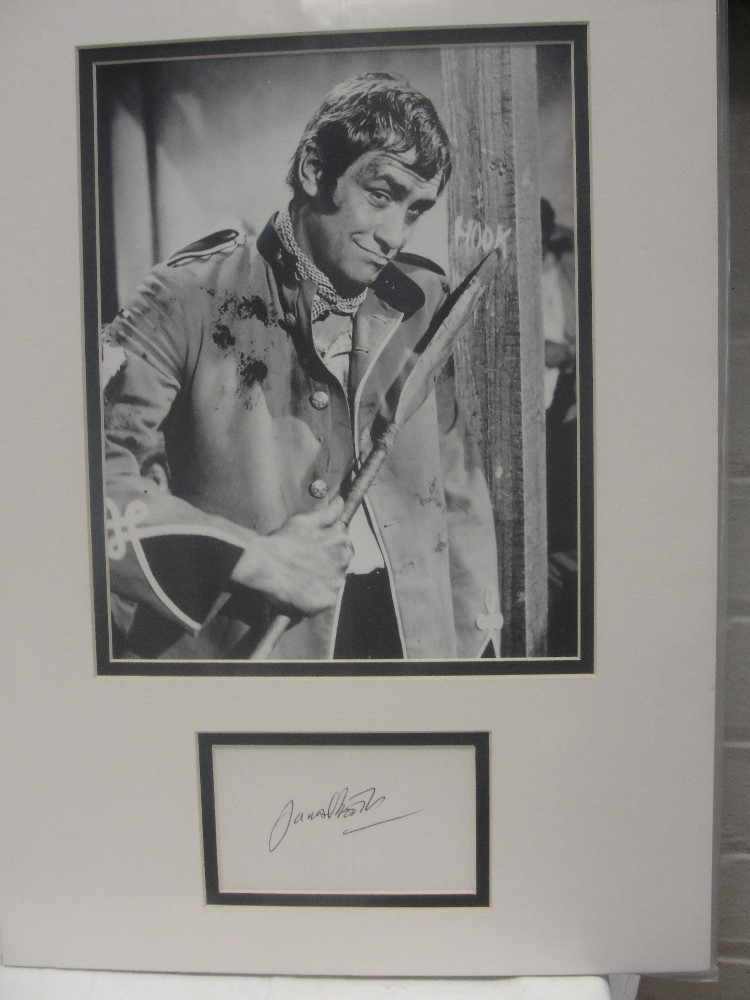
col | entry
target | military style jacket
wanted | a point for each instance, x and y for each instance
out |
(214, 372)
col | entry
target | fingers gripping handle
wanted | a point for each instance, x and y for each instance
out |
(363, 481)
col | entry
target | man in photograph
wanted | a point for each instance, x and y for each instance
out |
(257, 368)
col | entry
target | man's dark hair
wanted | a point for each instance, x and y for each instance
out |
(369, 112)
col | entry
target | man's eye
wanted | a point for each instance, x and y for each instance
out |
(379, 198)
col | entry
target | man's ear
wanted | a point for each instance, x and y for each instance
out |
(310, 171)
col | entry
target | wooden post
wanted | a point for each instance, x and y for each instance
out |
(493, 201)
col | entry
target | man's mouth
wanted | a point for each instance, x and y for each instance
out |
(374, 255)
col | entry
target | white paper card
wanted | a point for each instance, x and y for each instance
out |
(354, 819)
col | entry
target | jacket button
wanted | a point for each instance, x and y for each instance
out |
(319, 400)
(318, 489)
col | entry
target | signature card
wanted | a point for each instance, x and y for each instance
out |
(341, 820)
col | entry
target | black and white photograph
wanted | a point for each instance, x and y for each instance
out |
(338, 335)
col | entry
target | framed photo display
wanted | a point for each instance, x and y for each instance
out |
(364, 548)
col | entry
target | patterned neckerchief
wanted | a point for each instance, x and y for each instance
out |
(327, 298)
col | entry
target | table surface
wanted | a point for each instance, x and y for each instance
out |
(57, 984)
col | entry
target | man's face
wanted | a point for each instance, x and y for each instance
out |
(352, 232)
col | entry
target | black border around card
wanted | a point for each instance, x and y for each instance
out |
(214, 896)
(92, 255)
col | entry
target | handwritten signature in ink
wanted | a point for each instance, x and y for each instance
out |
(342, 805)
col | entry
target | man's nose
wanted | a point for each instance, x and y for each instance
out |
(390, 232)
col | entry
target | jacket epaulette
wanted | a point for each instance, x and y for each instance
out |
(207, 246)
(414, 260)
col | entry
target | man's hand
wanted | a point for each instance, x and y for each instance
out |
(302, 564)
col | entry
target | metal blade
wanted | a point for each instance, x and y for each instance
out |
(416, 379)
